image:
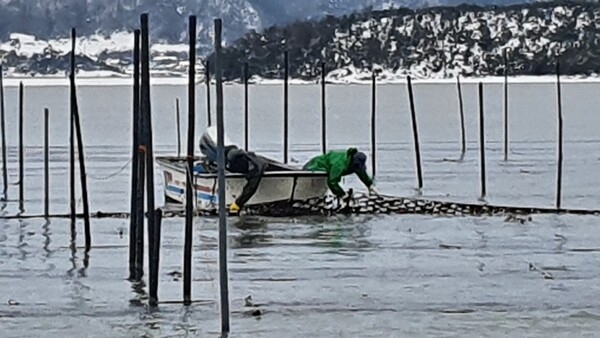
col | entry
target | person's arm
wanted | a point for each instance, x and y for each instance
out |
(333, 181)
(256, 162)
(364, 177)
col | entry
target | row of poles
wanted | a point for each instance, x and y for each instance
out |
(142, 178)
(142, 163)
(143, 170)
(75, 129)
(75, 138)
(413, 115)
(143, 167)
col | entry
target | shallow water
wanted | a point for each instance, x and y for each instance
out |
(339, 276)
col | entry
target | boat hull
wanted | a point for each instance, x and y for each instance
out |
(275, 186)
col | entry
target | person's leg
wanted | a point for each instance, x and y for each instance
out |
(253, 179)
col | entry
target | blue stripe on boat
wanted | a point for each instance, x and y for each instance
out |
(175, 189)
(207, 197)
(202, 196)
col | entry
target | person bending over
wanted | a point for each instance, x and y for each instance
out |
(338, 164)
(239, 161)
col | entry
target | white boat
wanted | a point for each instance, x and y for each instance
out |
(280, 182)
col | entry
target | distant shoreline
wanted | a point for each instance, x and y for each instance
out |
(124, 80)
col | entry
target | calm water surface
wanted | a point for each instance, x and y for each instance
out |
(339, 276)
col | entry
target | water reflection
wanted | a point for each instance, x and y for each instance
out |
(86, 264)
(342, 234)
(78, 297)
(46, 233)
(3, 205)
(186, 326)
(252, 232)
(73, 257)
(22, 241)
(82, 272)
(251, 239)
(140, 294)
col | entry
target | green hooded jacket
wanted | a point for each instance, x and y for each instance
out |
(337, 164)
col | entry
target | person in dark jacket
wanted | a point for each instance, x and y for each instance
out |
(239, 161)
(236, 161)
(342, 163)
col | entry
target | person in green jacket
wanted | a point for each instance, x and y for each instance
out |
(342, 163)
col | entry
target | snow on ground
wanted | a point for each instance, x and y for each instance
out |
(92, 46)
(101, 78)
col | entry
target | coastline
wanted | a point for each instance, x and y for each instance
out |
(114, 79)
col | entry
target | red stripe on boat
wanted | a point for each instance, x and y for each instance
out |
(204, 188)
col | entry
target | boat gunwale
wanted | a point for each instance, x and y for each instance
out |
(165, 161)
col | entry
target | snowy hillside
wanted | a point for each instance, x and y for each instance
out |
(431, 43)
(50, 19)
(427, 43)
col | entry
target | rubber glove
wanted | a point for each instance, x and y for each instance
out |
(373, 190)
(234, 208)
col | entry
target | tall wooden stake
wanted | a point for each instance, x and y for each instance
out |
(482, 140)
(223, 275)
(134, 247)
(157, 216)
(72, 204)
(21, 150)
(285, 106)
(189, 195)
(413, 117)
(505, 106)
(178, 127)
(560, 137)
(373, 121)
(46, 163)
(3, 126)
(323, 110)
(149, 157)
(246, 114)
(141, 167)
(462, 119)
(208, 109)
(82, 171)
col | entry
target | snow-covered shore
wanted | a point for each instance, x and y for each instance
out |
(95, 79)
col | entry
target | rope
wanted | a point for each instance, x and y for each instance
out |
(191, 178)
(111, 175)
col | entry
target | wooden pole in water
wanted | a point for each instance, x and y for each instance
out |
(81, 155)
(140, 168)
(462, 119)
(482, 140)
(207, 76)
(189, 196)
(157, 216)
(285, 106)
(72, 148)
(147, 119)
(223, 275)
(178, 127)
(21, 150)
(505, 106)
(46, 163)
(133, 225)
(373, 121)
(3, 126)
(560, 137)
(413, 116)
(323, 110)
(246, 115)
